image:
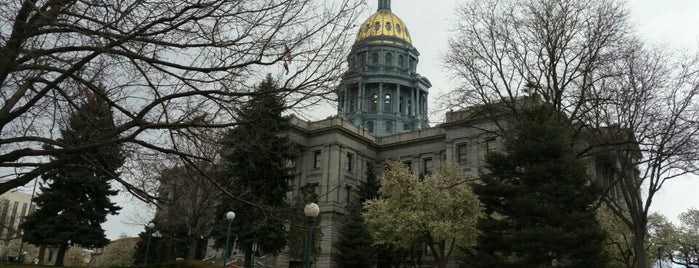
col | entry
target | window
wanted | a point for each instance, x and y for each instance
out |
(316, 159)
(377, 26)
(490, 145)
(388, 59)
(398, 27)
(367, 27)
(350, 159)
(400, 61)
(348, 194)
(388, 25)
(387, 103)
(462, 150)
(408, 164)
(370, 126)
(24, 209)
(427, 166)
(401, 105)
(373, 106)
(374, 58)
(389, 127)
(361, 58)
(406, 127)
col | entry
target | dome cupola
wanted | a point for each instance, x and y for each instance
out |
(382, 91)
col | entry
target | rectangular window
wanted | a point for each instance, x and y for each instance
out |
(490, 145)
(427, 166)
(24, 209)
(389, 127)
(348, 194)
(316, 159)
(350, 162)
(370, 126)
(462, 150)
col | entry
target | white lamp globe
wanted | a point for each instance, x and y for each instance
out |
(311, 210)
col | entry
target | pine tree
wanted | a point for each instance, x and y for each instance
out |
(369, 188)
(540, 203)
(255, 167)
(354, 245)
(76, 198)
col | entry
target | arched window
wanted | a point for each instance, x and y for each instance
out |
(374, 58)
(387, 103)
(400, 60)
(388, 59)
(401, 105)
(361, 59)
(377, 26)
(388, 25)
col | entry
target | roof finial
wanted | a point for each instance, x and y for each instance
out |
(384, 5)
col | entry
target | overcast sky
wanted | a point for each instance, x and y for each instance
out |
(668, 23)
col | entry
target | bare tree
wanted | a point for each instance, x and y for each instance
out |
(171, 69)
(635, 106)
(653, 127)
(503, 50)
(188, 202)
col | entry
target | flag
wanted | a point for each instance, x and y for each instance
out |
(287, 58)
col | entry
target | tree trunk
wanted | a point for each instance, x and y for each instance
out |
(42, 252)
(61, 255)
(168, 246)
(248, 258)
(193, 246)
(639, 248)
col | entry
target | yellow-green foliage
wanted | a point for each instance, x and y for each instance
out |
(441, 208)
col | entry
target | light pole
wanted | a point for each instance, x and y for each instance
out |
(150, 226)
(230, 215)
(311, 210)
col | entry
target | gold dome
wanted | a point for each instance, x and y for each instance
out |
(383, 23)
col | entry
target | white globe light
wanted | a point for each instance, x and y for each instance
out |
(150, 225)
(230, 215)
(311, 210)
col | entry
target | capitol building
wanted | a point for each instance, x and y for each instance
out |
(381, 116)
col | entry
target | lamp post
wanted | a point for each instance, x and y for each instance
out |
(311, 211)
(150, 226)
(230, 215)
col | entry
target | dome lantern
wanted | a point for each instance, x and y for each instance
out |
(384, 5)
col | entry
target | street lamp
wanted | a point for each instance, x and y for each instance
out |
(311, 210)
(230, 215)
(150, 226)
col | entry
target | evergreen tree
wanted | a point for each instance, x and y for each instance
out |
(76, 198)
(369, 188)
(354, 245)
(540, 203)
(255, 159)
